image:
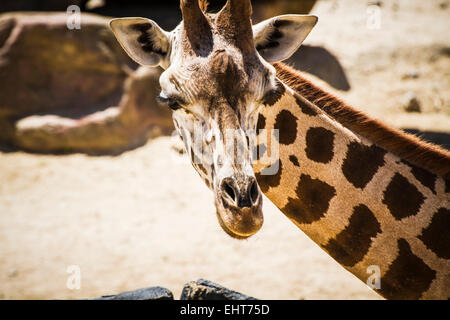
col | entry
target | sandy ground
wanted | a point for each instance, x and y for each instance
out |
(145, 218)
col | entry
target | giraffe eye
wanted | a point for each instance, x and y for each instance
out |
(171, 102)
(174, 105)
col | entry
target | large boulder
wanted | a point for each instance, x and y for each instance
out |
(135, 119)
(45, 67)
(73, 90)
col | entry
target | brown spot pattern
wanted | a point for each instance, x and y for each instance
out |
(361, 163)
(437, 235)
(408, 276)
(319, 144)
(286, 123)
(425, 177)
(265, 181)
(313, 200)
(261, 124)
(352, 244)
(294, 160)
(306, 109)
(273, 96)
(402, 198)
(406, 146)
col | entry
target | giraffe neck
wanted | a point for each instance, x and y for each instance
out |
(361, 203)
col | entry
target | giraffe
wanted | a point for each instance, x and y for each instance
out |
(367, 194)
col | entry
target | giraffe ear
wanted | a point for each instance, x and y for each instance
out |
(143, 40)
(276, 39)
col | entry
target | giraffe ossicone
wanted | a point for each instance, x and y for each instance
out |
(367, 194)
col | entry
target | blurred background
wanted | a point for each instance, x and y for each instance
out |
(89, 175)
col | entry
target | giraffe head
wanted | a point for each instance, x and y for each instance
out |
(217, 78)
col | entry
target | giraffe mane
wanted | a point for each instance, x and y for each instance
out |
(406, 146)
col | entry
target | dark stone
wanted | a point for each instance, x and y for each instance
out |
(206, 290)
(152, 293)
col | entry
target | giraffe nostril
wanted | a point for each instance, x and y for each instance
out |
(245, 197)
(229, 191)
(254, 193)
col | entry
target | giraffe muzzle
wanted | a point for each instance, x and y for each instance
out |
(239, 206)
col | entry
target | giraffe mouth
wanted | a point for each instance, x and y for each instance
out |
(228, 231)
(239, 223)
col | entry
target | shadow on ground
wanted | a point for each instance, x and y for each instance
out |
(321, 63)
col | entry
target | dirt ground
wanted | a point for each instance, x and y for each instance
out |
(144, 218)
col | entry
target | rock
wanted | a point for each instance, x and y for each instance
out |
(73, 90)
(206, 290)
(411, 103)
(45, 67)
(152, 293)
(111, 131)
